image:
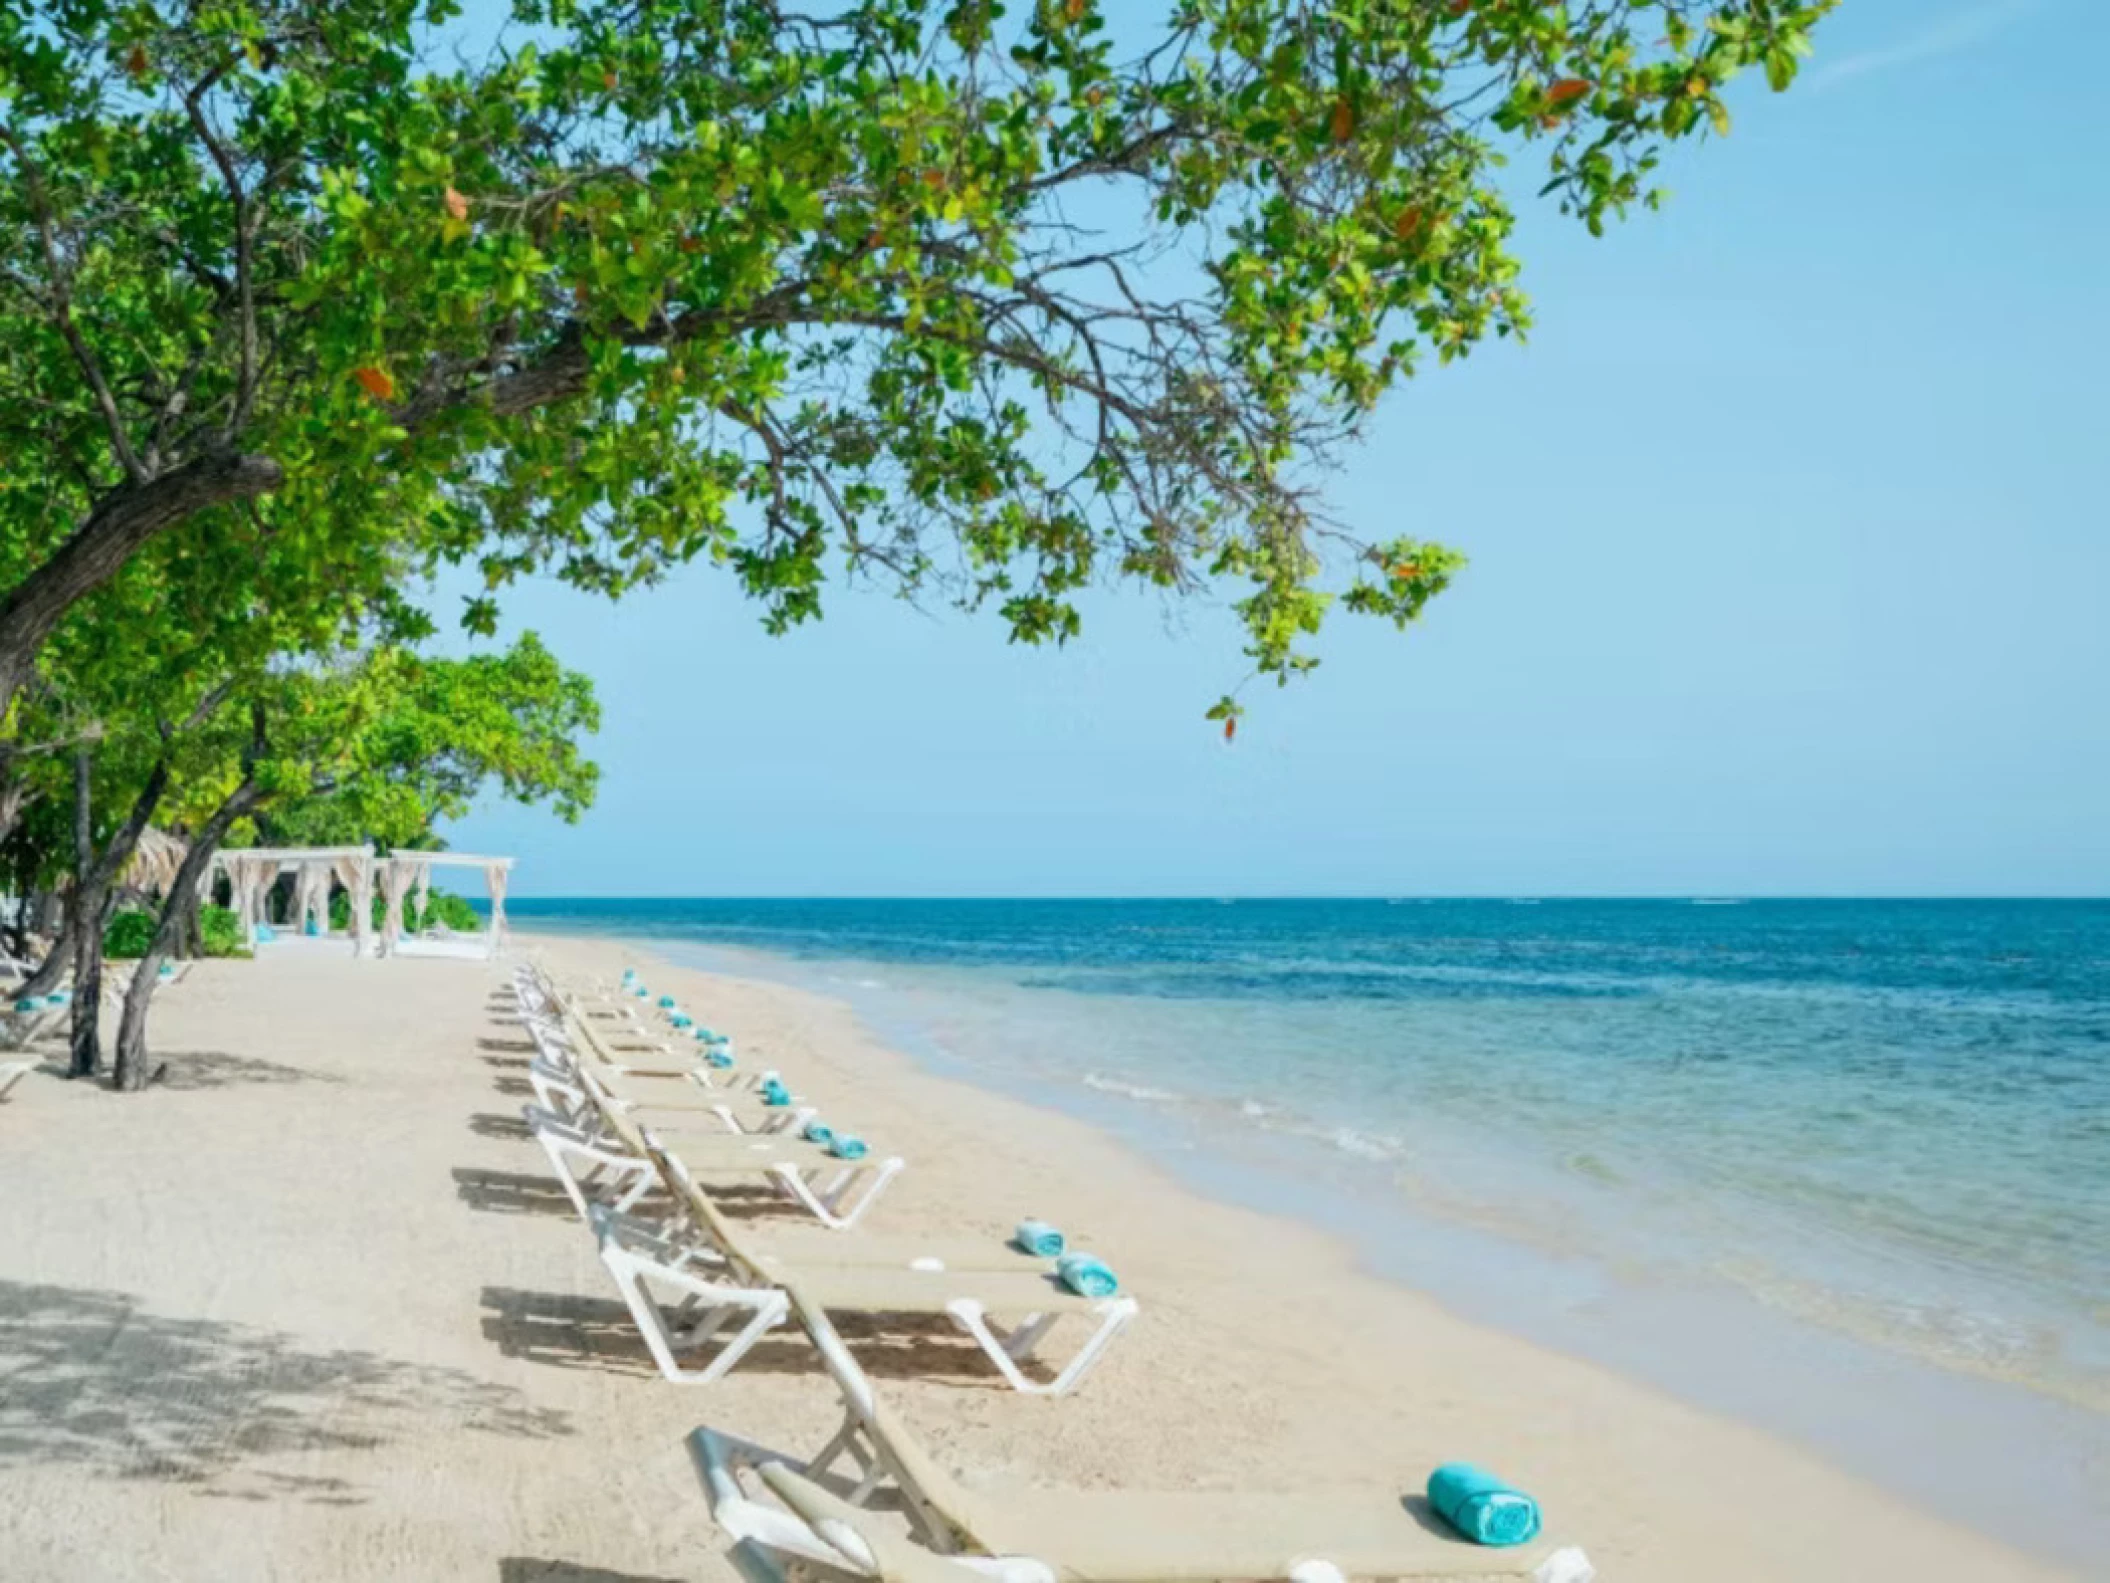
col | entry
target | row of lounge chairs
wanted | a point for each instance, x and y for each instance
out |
(654, 1143)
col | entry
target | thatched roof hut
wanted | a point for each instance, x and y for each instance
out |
(155, 861)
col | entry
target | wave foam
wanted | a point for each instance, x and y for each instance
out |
(1127, 1090)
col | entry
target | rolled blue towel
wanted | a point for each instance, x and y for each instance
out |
(641, 992)
(1482, 1507)
(168, 970)
(264, 931)
(846, 1146)
(775, 1093)
(1087, 1275)
(59, 997)
(1038, 1238)
(818, 1131)
(681, 1019)
(718, 1059)
(629, 976)
(666, 1002)
(30, 1003)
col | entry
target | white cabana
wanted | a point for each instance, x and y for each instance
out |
(412, 871)
(252, 871)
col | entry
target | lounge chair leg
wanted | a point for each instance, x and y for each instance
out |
(1023, 1340)
(829, 1207)
(769, 1307)
(973, 1318)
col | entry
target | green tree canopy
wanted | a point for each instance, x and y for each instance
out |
(982, 299)
(383, 750)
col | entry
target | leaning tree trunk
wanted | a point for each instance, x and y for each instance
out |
(180, 906)
(56, 961)
(92, 896)
(117, 525)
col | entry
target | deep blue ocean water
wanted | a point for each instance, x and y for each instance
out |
(1889, 1118)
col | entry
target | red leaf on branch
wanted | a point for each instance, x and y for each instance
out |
(375, 382)
(457, 205)
(1230, 727)
(1566, 92)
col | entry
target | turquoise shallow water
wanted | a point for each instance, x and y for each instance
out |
(1888, 1117)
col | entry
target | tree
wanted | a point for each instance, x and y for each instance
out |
(440, 731)
(374, 747)
(975, 300)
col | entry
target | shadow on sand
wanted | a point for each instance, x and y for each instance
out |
(536, 1569)
(200, 1069)
(90, 1379)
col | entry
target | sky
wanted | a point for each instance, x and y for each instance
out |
(1789, 576)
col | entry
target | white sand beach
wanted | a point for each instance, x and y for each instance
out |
(313, 1309)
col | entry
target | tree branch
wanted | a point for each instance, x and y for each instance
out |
(61, 307)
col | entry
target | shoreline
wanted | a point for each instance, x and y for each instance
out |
(314, 1308)
(1874, 1413)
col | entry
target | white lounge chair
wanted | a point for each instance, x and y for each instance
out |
(1077, 1536)
(685, 1285)
(611, 1167)
(12, 1072)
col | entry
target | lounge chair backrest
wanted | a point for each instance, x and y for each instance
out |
(710, 1223)
(939, 1503)
(612, 1114)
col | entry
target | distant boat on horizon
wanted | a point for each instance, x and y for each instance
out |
(1717, 901)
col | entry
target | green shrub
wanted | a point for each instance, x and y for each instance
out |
(220, 932)
(447, 908)
(129, 935)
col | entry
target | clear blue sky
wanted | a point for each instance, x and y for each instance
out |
(1790, 532)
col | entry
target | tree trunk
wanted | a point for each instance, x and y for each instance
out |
(124, 519)
(92, 894)
(84, 922)
(181, 904)
(54, 965)
(190, 927)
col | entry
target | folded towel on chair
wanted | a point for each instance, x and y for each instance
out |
(818, 1131)
(775, 1093)
(717, 1058)
(1480, 1506)
(846, 1146)
(681, 1019)
(1086, 1275)
(1038, 1238)
(666, 1003)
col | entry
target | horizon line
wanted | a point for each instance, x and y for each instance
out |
(1218, 897)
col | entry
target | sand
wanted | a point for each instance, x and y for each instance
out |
(313, 1310)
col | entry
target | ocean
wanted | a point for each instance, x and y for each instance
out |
(1853, 1143)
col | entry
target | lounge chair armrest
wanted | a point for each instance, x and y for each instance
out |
(718, 1459)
